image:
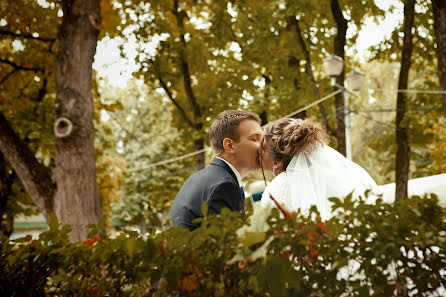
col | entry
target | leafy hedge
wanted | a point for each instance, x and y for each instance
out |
(365, 250)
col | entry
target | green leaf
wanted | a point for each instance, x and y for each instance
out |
(131, 244)
(252, 238)
(278, 276)
(101, 223)
(204, 208)
(92, 233)
(54, 222)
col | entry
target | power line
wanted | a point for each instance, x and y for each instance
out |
(297, 112)
(413, 91)
(174, 173)
(381, 123)
(395, 109)
(173, 159)
(311, 104)
(287, 116)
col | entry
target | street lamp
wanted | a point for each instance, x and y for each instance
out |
(333, 66)
(355, 80)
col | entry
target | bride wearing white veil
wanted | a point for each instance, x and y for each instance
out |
(307, 171)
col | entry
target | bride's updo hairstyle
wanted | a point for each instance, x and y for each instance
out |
(288, 137)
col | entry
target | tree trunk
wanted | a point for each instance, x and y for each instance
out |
(439, 12)
(339, 44)
(199, 145)
(77, 199)
(142, 225)
(33, 175)
(402, 151)
(264, 117)
(6, 181)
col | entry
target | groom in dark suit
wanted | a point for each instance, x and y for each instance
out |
(235, 137)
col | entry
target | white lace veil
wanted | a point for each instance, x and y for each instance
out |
(314, 177)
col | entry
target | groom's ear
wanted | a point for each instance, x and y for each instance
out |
(228, 145)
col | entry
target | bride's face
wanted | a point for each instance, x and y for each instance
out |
(268, 163)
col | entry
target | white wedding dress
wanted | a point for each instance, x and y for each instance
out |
(312, 178)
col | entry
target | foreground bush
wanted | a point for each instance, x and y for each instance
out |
(365, 250)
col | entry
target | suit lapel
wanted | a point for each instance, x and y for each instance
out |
(220, 163)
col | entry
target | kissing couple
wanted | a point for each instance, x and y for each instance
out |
(307, 171)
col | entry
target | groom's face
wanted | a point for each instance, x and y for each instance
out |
(246, 149)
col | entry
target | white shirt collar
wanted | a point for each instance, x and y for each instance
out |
(237, 174)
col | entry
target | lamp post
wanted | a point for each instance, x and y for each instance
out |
(333, 66)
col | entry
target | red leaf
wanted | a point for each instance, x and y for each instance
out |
(286, 213)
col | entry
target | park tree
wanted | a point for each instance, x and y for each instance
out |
(439, 16)
(144, 135)
(27, 65)
(417, 110)
(182, 52)
(262, 56)
(351, 13)
(70, 189)
(111, 168)
(286, 42)
(277, 45)
(402, 152)
(373, 122)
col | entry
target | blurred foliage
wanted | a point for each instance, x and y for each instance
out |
(373, 123)
(142, 134)
(364, 250)
(27, 93)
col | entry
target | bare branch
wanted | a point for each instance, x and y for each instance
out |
(177, 105)
(309, 71)
(170, 95)
(20, 67)
(7, 76)
(26, 36)
(180, 15)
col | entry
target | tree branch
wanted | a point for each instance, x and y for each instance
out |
(309, 71)
(26, 36)
(439, 13)
(33, 175)
(20, 67)
(180, 15)
(170, 95)
(7, 76)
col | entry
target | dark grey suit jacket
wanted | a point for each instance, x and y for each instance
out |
(215, 184)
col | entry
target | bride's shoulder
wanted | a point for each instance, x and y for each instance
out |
(280, 179)
(278, 187)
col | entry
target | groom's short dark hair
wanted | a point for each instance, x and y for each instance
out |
(225, 126)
